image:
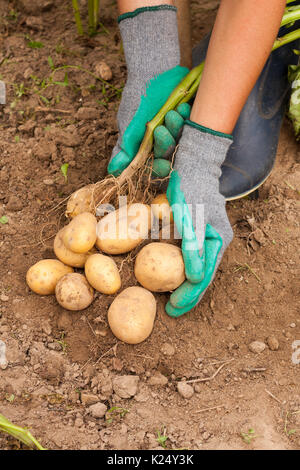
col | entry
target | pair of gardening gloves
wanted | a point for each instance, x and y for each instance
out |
(152, 53)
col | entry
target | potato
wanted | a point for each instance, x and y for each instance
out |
(80, 235)
(161, 208)
(159, 267)
(73, 292)
(102, 273)
(43, 276)
(80, 201)
(131, 315)
(77, 260)
(122, 230)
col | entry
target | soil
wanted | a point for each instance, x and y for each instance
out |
(67, 378)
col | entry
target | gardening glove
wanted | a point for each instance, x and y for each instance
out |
(199, 211)
(152, 53)
(166, 138)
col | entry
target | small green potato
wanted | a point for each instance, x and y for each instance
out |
(131, 315)
(73, 292)
(80, 235)
(43, 276)
(102, 273)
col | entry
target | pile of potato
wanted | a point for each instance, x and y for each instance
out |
(90, 245)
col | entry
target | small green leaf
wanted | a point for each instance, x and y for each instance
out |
(3, 220)
(35, 44)
(64, 170)
(45, 100)
(50, 62)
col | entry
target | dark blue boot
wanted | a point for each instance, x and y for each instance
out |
(252, 155)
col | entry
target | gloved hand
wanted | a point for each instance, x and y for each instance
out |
(130, 137)
(152, 53)
(199, 211)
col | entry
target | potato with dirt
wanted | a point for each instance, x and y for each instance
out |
(159, 267)
(124, 229)
(43, 276)
(73, 292)
(131, 315)
(102, 273)
(68, 257)
(80, 201)
(80, 235)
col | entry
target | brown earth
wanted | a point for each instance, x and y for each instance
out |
(66, 369)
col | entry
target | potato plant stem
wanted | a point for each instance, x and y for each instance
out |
(17, 432)
(96, 13)
(289, 37)
(77, 17)
(176, 97)
(93, 8)
(290, 16)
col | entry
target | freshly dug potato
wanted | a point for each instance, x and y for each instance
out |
(73, 292)
(102, 273)
(80, 201)
(122, 230)
(161, 208)
(131, 315)
(159, 267)
(80, 235)
(68, 257)
(43, 276)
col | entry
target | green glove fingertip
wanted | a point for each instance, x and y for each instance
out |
(184, 109)
(161, 168)
(174, 123)
(118, 163)
(164, 142)
(178, 312)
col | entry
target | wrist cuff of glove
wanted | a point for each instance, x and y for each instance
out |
(207, 130)
(132, 14)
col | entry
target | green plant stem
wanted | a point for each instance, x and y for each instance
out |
(290, 16)
(19, 433)
(77, 17)
(93, 9)
(287, 38)
(96, 13)
(91, 16)
(176, 97)
(194, 88)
